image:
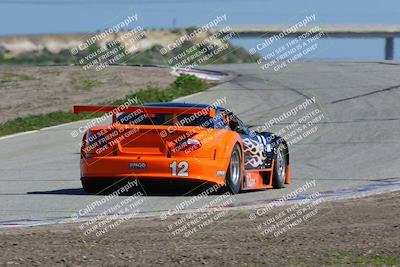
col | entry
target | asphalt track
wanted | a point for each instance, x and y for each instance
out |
(358, 143)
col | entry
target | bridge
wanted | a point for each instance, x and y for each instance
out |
(387, 32)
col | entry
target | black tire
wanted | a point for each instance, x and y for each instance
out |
(279, 176)
(234, 172)
(91, 186)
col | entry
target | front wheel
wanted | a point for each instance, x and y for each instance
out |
(234, 173)
(279, 175)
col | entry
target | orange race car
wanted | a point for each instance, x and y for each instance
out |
(181, 142)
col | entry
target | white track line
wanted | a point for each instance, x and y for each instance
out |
(254, 207)
(186, 97)
(17, 134)
(42, 129)
(61, 125)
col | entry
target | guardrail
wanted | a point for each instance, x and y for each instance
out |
(388, 32)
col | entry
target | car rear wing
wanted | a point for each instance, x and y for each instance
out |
(114, 110)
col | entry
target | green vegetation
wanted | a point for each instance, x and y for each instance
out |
(183, 85)
(7, 78)
(149, 56)
(364, 260)
(35, 122)
(86, 84)
(40, 58)
(230, 54)
(89, 83)
(349, 259)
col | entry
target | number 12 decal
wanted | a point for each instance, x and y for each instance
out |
(182, 168)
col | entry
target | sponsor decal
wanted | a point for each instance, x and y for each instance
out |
(137, 165)
(250, 181)
(256, 151)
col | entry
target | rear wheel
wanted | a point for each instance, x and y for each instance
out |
(234, 173)
(90, 186)
(279, 175)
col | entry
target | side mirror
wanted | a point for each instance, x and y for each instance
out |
(240, 129)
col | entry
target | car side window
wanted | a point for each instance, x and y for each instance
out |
(235, 124)
(219, 120)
